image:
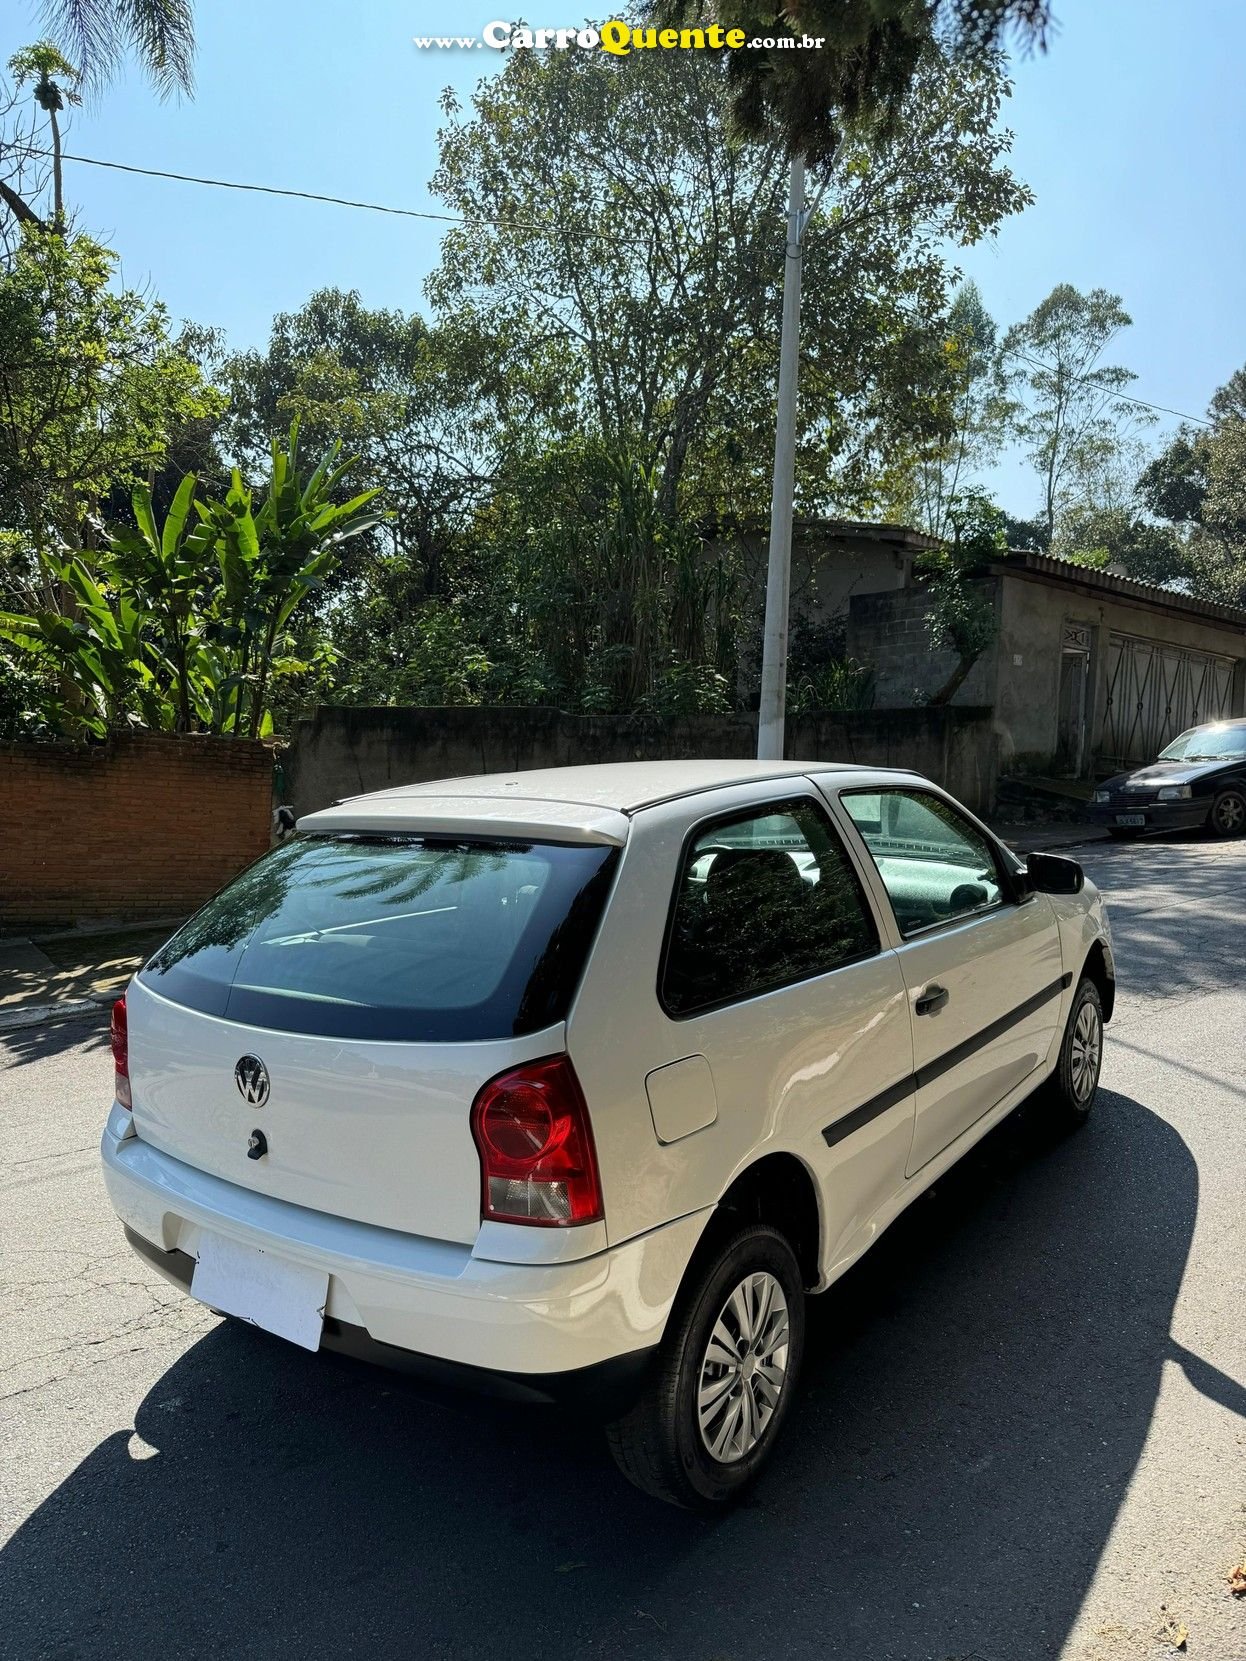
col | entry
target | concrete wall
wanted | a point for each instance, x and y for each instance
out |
(138, 827)
(890, 632)
(831, 563)
(828, 571)
(347, 752)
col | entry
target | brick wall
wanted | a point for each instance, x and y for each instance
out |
(139, 827)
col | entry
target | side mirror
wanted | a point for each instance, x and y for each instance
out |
(1054, 874)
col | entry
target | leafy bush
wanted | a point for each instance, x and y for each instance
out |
(842, 683)
(184, 627)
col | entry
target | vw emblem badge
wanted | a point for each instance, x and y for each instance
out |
(251, 1077)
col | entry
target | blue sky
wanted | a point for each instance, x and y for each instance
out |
(1131, 131)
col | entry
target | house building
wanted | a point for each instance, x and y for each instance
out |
(1089, 671)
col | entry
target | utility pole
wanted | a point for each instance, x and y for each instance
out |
(779, 572)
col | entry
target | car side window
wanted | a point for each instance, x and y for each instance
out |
(762, 900)
(935, 866)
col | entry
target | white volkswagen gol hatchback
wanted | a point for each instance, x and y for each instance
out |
(574, 1083)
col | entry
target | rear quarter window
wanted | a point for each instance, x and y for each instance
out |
(763, 900)
(393, 937)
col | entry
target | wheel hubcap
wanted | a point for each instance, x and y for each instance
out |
(1230, 813)
(1087, 1043)
(744, 1369)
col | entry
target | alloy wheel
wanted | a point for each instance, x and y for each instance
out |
(744, 1368)
(1086, 1048)
(1229, 814)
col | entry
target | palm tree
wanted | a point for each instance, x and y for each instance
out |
(97, 35)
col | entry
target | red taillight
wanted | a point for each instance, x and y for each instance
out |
(537, 1160)
(121, 1053)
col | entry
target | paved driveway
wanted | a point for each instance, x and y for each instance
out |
(1022, 1435)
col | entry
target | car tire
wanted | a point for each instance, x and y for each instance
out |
(721, 1389)
(1228, 814)
(1076, 1078)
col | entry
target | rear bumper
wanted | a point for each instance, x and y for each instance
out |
(608, 1388)
(1158, 816)
(411, 1301)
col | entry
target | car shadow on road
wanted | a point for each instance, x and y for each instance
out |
(976, 1396)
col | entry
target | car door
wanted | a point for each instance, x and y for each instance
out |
(980, 957)
(778, 1020)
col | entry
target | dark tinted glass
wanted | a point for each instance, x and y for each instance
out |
(393, 937)
(762, 901)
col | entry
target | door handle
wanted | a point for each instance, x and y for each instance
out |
(932, 999)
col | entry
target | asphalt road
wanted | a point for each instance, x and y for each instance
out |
(1022, 1432)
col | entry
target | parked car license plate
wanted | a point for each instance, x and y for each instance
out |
(284, 1298)
(1131, 818)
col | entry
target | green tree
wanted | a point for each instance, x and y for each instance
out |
(1027, 534)
(92, 387)
(961, 618)
(978, 413)
(572, 588)
(1121, 536)
(1217, 546)
(55, 85)
(403, 396)
(1197, 486)
(88, 42)
(630, 277)
(1174, 485)
(271, 558)
(861, 75)
(1067, 407)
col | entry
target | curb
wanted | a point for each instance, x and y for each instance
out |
(37, 1015)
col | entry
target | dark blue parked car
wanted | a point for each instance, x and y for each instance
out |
(1199, 779)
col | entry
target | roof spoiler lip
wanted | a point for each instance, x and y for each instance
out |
(590, 827)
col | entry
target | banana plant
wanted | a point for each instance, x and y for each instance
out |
(106, 651)
(172, 567)
(272, 556)
(183, 626)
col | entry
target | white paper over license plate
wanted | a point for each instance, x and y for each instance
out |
(282, 1297)
(1131, 818)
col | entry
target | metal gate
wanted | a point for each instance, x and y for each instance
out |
(1156, 691)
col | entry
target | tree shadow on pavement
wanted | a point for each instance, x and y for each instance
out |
(1175, 906)
(19, 1045)
(976, 1396)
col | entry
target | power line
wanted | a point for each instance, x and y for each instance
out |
(1089, 380)
(339, 201)
(531, 225)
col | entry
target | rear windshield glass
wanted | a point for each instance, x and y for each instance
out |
(393, 937)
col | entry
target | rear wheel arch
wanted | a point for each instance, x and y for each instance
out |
(1095, 968)
(777, 1190)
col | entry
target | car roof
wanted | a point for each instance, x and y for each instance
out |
(590, 803)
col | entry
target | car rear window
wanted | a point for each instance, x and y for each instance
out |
(393, 937)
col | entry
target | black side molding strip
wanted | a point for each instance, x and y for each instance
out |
(870, 1110)
(961, 1052)
(944, 1063)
